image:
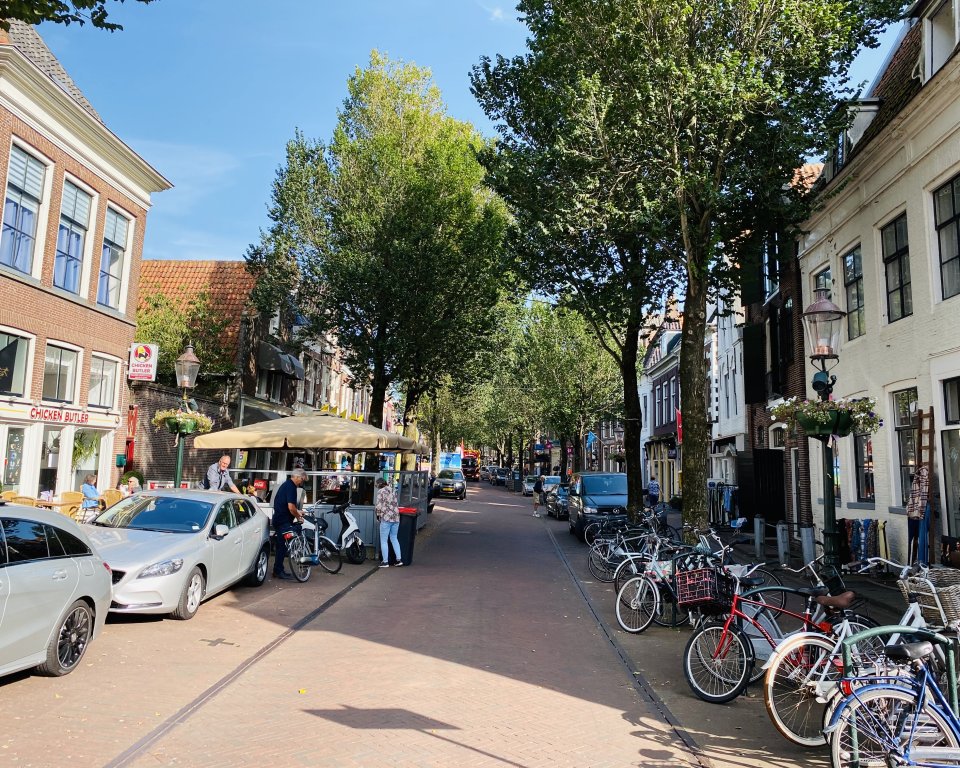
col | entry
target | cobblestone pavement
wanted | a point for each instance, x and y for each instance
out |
(494, 648)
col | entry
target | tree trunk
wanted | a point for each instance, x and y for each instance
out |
(633, 419)
(694, 405)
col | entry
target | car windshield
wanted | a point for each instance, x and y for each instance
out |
(605, 485)
(531, 479)
(171, 514)
(450, 474)
(551, 480)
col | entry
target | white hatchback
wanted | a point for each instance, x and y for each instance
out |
(54, 591)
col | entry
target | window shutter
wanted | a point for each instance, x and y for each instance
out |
(754, 364)
(26, 173)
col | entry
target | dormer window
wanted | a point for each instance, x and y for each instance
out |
(940, 36)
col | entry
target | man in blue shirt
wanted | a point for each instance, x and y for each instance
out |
(286, 517)
(218, 476)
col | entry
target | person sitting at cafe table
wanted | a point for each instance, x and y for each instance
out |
(90, 505)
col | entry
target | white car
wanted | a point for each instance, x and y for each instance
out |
(54, 591)
(528, 483)
(170, 550)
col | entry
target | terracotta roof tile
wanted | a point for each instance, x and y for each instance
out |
(806, 175)
(227, 283)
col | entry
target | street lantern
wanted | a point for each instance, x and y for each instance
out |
(187, 367)
(823, 323)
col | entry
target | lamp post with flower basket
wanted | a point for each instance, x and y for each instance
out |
(184, 420)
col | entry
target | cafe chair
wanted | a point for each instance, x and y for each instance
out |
(8, 495)
(110, 497)
(72, 501)
(25, 501)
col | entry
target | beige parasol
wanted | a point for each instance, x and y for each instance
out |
(320, 431)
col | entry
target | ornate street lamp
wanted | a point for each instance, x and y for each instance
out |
(187, 367)
(618, 436)
(823, 323)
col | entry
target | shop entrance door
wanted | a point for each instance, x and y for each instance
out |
(50, 453)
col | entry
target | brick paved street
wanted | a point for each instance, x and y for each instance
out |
(484, 652)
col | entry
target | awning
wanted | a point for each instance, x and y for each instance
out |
(272, 358)
(254, 415)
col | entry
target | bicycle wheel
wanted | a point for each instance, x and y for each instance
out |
(637, 604)
(631, 566)
(671, 614)
(875, 724)
(299, 558)
(798, 677)
(599, 563)
(770, 579)
(717, 663)
(328, 556)
(591, 531)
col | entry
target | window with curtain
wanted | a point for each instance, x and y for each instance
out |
(905, 423)
(60, 374)
(112, 259)
(853, 285)
(863, 456)
(13, 364)
(74, 220)
(103, 383)
(20, 211)
(896, 264)
(946, 212)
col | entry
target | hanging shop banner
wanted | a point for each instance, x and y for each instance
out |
(143, 362)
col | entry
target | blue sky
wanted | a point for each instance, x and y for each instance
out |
(210, 91)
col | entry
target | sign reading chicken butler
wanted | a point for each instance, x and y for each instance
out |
(143, 362)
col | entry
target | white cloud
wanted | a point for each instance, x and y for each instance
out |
(495, 12)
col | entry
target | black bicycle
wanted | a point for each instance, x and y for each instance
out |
(307, 548)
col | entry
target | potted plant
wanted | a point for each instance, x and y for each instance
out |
(181, 422)
(830, 417)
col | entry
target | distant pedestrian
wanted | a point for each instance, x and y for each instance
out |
(90, 505)
(218, 476)
(286, 517)
(653, 492)
(537, 495)
(130, 487)
(388, 513)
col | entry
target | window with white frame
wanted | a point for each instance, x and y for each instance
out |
(74, 221)
(13, 364)
(21, 210)
(905, 423)
(771, 263)
(824, 280)
(112, 259)
(103, 382)
(778, 436)
(269, 385)
(896, 263)
(941, 36)
(853, 285)
(659, 407)
(60, 374)
(863, 458)
(946, 211)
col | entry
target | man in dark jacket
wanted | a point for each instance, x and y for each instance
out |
(286, 517)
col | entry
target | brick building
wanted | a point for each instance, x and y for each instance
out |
(76, 202)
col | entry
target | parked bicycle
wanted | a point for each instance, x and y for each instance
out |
(308, 547)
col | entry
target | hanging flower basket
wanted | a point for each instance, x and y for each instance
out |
(830, 417)
(182, 422)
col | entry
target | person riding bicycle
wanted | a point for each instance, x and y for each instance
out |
(286, 517)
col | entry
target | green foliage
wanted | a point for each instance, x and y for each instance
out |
(59, 11)
(173, 321)
(85, 446)
(204, 423)
(863, 411)
(387, 237)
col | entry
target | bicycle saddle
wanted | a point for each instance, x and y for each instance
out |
(839, 602)
(749, 582)
(909, 651)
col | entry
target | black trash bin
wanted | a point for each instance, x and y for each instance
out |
(407, 534)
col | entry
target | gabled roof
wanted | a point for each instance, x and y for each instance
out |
(896, 86)
(25, 39)
(226, 283)
(806, 175)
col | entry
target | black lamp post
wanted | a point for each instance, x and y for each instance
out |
(823, 323)
(618, 436)
(187, 367)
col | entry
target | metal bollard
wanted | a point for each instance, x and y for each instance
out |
(807, 544)
(783, 543)
(759, 530)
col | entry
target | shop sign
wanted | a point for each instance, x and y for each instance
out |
(143, 362)
(260, 485)
(58, 415)
(671, 453)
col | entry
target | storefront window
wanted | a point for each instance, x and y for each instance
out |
(13, 459)
(13, 364)
(59, 374)
(86, 455)
(49, 460)
(905, 426)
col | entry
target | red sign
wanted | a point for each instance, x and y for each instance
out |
(260, 485)
(143, 362)
(56, 414)
(132, 413)
(679, 426)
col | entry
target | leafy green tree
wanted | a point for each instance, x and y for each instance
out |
(666, 134)
(59, 11)
(172, 322)
(387, 237)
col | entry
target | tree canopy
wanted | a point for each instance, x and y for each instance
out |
(387, 237)
(93, 12)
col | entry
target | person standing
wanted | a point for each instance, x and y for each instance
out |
(388, 513)
(286, 517)
(653, 492)
(537, 495)
(91, 498)
(218, 476)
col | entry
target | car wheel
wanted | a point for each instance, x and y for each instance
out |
(579, 530)
(190, 597)
(258, 575)
(69, 642)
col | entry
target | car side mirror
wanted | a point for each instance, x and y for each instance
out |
(220, 530)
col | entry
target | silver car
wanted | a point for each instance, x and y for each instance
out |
(172, 549)
(54, 591)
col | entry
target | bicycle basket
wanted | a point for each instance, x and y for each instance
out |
(938, 595)
(704, 588)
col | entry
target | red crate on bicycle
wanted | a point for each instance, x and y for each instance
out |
(704, 587)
